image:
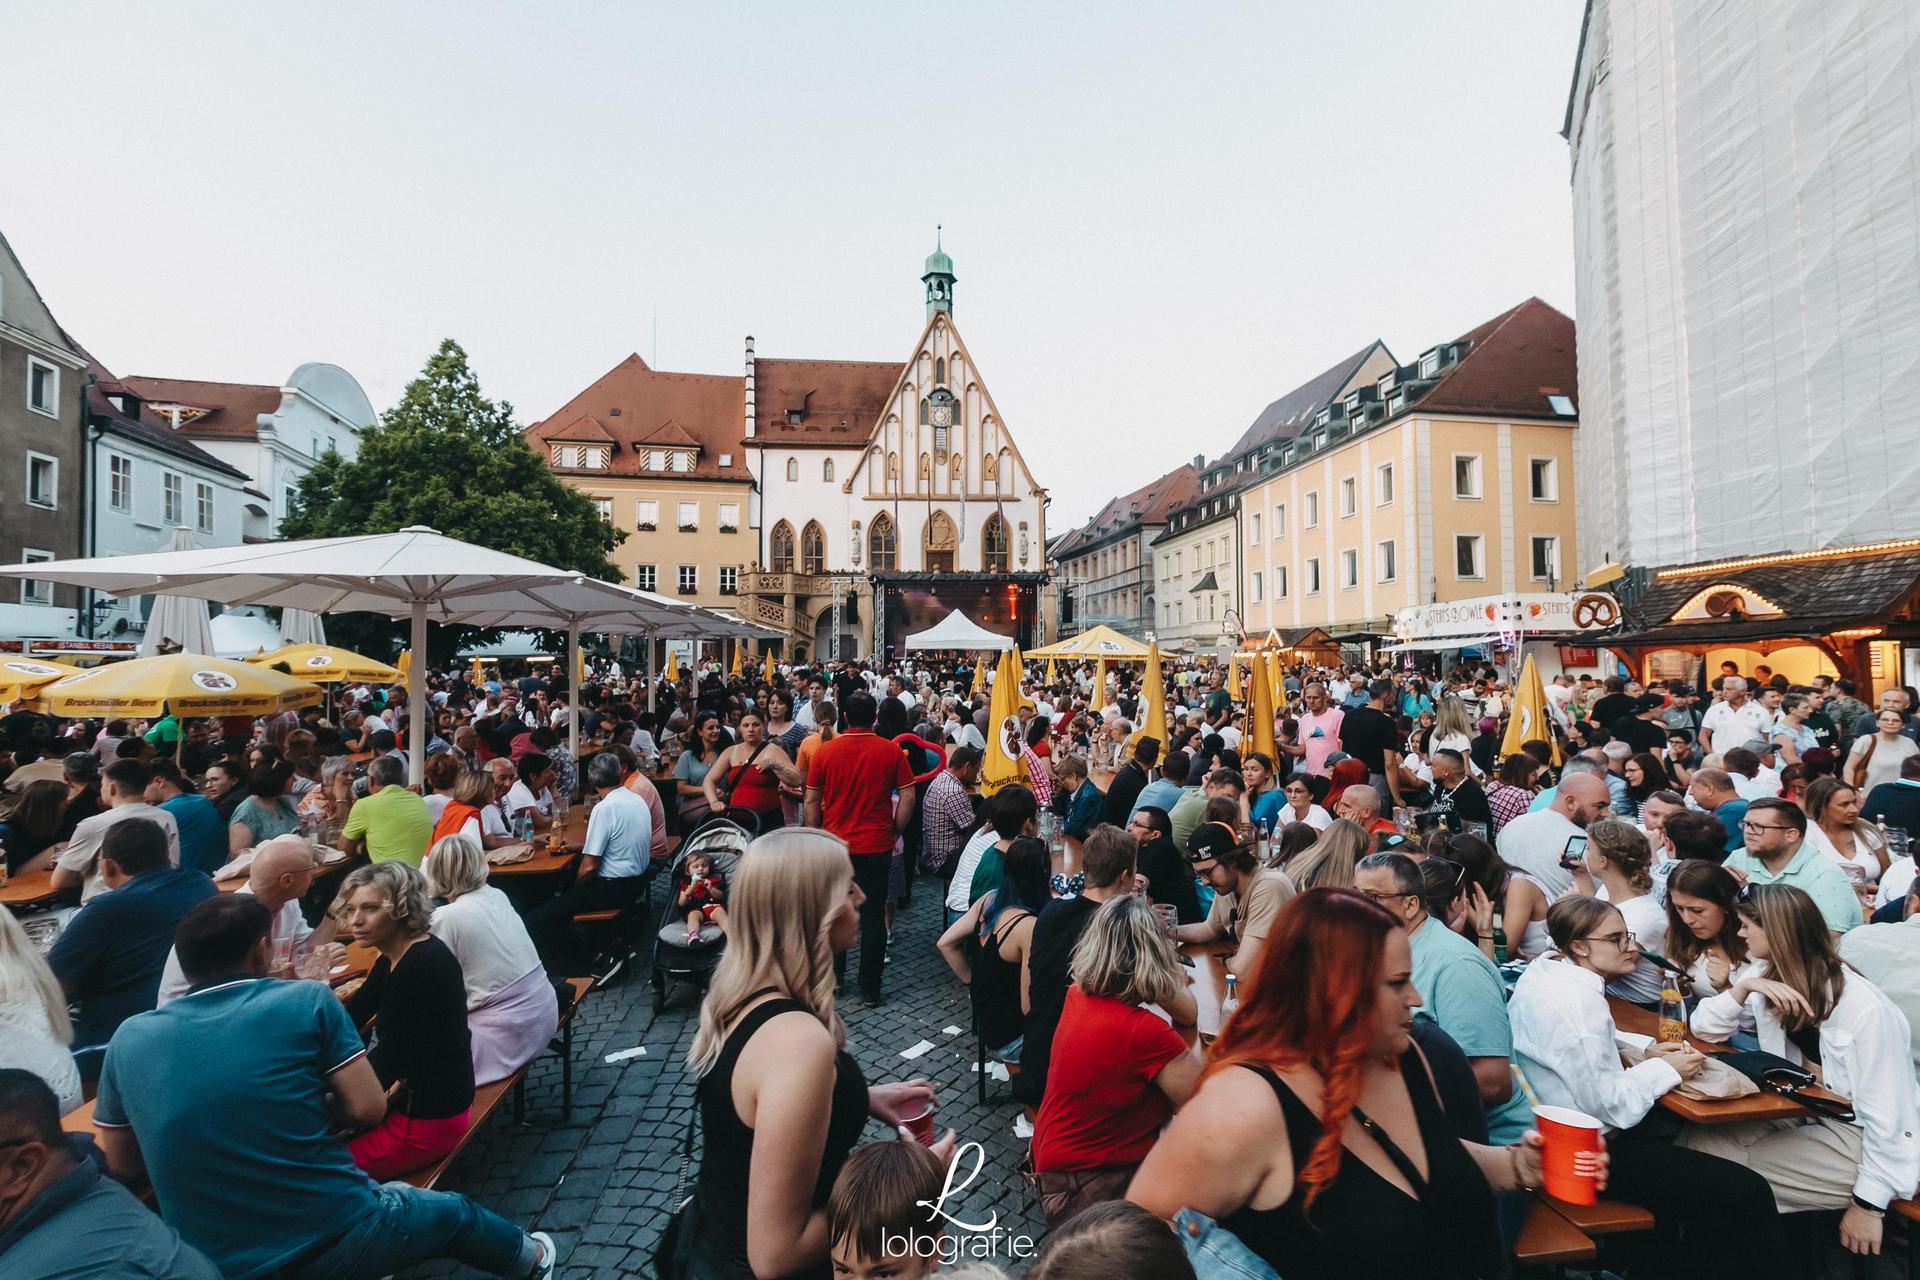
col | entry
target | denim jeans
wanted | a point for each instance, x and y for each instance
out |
(410, 1226)
(871, 871)
(1216, 1253)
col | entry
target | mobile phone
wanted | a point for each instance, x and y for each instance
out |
(1576, 850)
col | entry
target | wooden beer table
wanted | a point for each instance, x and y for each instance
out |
(544, 863)
(1207, 981)
(1756, 1106)
(31, 889)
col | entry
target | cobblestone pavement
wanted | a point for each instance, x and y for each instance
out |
(600, 1182)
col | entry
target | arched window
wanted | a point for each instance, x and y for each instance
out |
(880, 549)
(826, 470)
(813, 548)
(988, 469)
(926, 413)
(959, 473)
(926, 470)
(780, 548)
(940, 371)
(793, 468)
(993, 546)
(893, 469)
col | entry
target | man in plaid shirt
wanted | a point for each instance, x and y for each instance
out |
(947, 815)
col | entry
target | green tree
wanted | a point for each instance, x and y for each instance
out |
(449, 458)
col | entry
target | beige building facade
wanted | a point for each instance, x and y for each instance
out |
(1447, 479)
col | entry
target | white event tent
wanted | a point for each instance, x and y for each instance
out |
(418, 574)
(958, 631)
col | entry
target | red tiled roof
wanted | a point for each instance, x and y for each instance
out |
(233, 408)
(840, 400)
(637, 406)
(1515, 361)
(141, 424)
(584, 429)
(1151, 503)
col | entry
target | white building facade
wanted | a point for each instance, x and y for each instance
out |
(273, 435)
(1746, 204)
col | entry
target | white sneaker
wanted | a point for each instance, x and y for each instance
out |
(543, 1270)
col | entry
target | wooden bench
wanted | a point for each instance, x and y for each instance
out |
(487, 1098)
(1603, 1217)
(1909, 1210)
(1549, 1240)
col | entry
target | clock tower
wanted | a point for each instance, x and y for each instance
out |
(939, 279)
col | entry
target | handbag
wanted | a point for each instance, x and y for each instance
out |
(673, 1254)
(1859, 769)
(1774, 1074)
(732, 777)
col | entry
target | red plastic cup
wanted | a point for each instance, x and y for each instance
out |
(920, 1126)
(1571, 1158)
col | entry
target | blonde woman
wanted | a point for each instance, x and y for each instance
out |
(781, 1100)
(416, 994)
(1453, 731)
(1617, 869)
(1118, 1070)
(1331, 861)
(512, 1009)
(34, 1028)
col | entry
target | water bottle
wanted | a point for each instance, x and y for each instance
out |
(1230, 1002)
(523, 827)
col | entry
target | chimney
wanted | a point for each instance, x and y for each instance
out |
(1199, 462)
(750, 397)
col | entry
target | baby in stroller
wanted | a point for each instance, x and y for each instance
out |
(701, 892)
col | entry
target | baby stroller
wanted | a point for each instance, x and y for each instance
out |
(676, 959)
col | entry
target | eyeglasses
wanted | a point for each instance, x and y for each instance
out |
(1459, 869)
(1762, 826)
(1378, 896)
(1624, 939)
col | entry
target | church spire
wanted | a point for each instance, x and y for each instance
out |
(939, 278)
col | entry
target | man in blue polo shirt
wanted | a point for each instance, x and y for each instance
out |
(230, 1101)
(110, 956)
(1777, 852)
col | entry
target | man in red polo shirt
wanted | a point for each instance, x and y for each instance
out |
(860, 787)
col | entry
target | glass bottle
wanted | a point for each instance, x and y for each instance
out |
(1673, 1010)
(1230, 1002)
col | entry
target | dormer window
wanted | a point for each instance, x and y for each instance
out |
(577, 457)
(795, 417)
(1430, 363)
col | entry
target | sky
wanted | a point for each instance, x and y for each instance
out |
(1162, 216)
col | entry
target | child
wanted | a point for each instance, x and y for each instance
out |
(701, 892)
(874, 1227)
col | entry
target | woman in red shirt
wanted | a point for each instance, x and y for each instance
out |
(1118, 1070)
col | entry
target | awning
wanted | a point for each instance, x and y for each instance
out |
(1450, 642)
(1725, 631)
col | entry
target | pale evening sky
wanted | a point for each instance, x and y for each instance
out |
(1161, 216)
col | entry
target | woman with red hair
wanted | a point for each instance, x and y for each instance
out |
(1317, 1136)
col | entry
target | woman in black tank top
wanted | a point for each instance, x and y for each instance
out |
(1392, 1190)
(770, 1042)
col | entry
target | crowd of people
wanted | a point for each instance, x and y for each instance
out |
(1423, 937)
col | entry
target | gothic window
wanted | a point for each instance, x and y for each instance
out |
(940, 371)
(993, 544)
(880, 548)
(793, 468)
(959, 473)
(826, 470)
(926, 413)
(926, 470)
(780, 548)
(989, 469)
(813, 548)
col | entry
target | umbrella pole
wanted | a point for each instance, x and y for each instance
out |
(653, 676)
(417, 697)
(573, 668)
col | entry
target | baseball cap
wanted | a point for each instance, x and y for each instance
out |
(1209, 840)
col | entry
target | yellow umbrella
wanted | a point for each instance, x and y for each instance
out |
(325, 664)
(184, 684)
(1530, 719)
(1153, 718)
(1050, 676)
(1236, 689)
(1101, 641)
(405, 663)
(1260, 719)
(1274, 681)
(21, 676)
(477, 671)
(770, 673)
(1020, 678)
(673, 666)
(979, 676)
(579, 668)
(1099, 701)
(1002, 765)
(737, 669)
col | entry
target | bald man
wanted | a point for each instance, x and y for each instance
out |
(1534, 842)
(280, 876)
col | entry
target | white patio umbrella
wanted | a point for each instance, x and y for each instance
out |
(297, 626)
(417, 574)
(184, 620)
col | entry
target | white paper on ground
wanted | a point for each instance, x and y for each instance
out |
(998, 1070)
(1630, 1040)
(1022, 1127)
(924, 1047)
(950, 1031)
(623, 1054)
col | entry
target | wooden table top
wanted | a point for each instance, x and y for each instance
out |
(1207, 980)
(32, 889)
(543, 863)
(1757, 1106)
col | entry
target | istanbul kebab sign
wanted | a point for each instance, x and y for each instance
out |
(1543, 612)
